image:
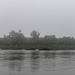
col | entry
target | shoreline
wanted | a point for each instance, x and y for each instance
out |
(38, 47)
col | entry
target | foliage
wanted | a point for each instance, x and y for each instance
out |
(17, 40)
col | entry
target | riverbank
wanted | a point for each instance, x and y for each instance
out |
(40, 47)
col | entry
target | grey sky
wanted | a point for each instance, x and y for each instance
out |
(49, 17)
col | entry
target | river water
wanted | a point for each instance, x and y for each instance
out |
(23, 62)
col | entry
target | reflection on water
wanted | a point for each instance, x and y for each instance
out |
(14, 60)
(47, 55)
(35, 60)
(27, 62)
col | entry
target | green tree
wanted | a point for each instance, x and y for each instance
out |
(35, 37)
(35, 34)
(16, 38)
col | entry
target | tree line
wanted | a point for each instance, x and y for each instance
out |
(17, 40)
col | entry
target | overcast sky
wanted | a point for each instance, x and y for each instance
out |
(49, 17)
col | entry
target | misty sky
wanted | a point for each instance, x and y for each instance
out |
(49, 17)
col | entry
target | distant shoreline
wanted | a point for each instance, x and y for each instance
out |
(16, 40)
(39, 47)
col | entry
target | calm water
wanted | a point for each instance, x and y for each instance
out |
(22, 62)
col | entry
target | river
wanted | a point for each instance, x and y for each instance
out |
(31, 62)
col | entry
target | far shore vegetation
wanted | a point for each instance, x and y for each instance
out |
(17, 40)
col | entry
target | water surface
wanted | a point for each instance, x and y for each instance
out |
(23, 62)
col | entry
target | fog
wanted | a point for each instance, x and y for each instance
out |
(49, 17)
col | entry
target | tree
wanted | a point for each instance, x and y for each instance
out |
(49, 39)
(35, 36)
(16, 38)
